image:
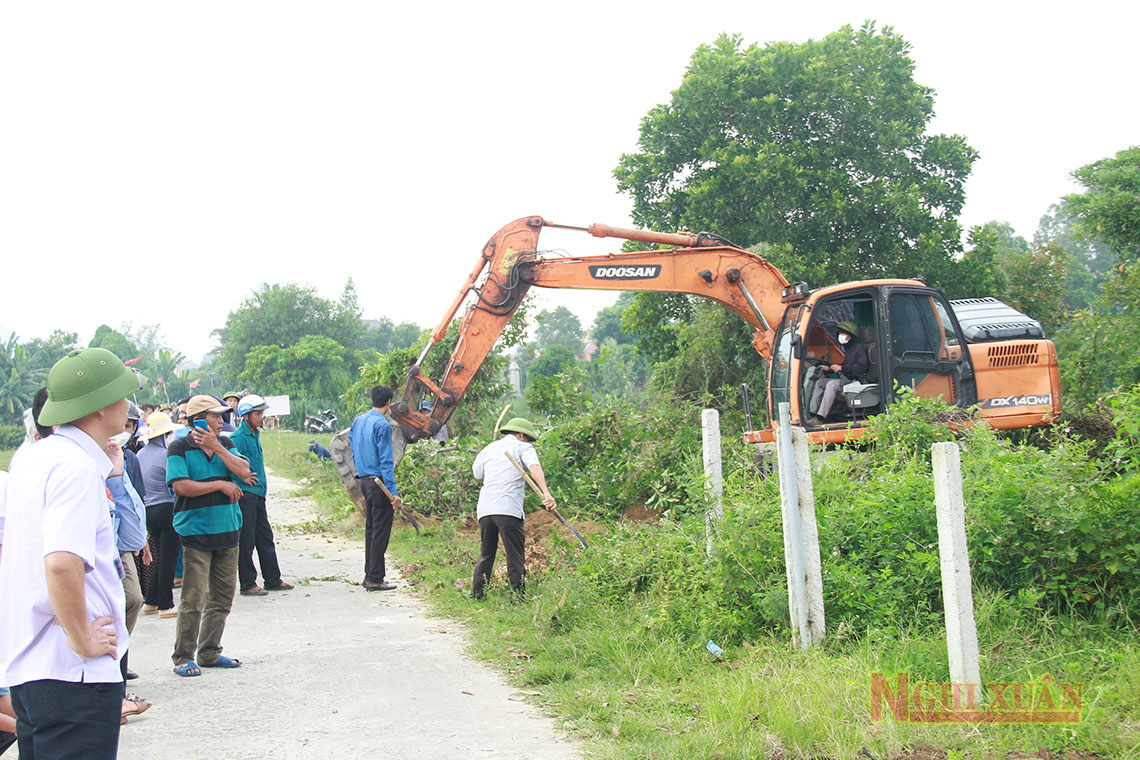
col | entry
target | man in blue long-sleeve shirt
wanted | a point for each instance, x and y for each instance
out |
(371, 440)
(128, 516)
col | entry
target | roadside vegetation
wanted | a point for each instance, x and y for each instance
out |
(612, 639)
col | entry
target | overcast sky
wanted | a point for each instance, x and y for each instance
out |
(159, 161)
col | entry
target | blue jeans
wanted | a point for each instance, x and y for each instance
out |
(60, 720)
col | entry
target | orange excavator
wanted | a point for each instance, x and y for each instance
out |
(971, 352)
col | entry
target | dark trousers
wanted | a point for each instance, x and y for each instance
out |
(491, 528)
(60, 720)
(377, 529)
(256, 534)
(160, 524)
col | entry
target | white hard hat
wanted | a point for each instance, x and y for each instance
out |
(251, 403)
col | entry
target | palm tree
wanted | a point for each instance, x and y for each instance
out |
(166, 362)
(20, 378)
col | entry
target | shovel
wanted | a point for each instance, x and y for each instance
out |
(403, 511)
(537, 490)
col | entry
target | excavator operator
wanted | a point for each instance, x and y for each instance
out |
(855, 364)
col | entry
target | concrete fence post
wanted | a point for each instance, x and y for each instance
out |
(793, 530)
(809, 536)
(714, 478)
(961, 631)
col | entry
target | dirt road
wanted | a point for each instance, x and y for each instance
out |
(330, 671)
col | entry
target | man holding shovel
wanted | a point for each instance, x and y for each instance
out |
(500, 509)
(371, 440)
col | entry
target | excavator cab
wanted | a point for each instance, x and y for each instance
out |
(912, 340)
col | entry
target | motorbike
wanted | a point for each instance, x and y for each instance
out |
(321, 422)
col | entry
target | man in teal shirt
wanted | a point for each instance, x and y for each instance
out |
(204, 470)
(255, 529)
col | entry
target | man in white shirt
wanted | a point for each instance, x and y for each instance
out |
(501, 501)
(62, 615)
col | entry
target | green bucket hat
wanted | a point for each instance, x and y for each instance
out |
(86, 381)
(520, 425)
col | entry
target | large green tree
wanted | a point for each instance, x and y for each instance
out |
(1109, 208)
(312, 368)
(1002, 264)
(115, 342)
(1101, 347)
(1089, 261)
(608, 321)
(819, 147)
(281, 315)
(384, 335)
(559, 327)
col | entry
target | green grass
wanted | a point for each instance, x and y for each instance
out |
(6, 458)
(631, 689)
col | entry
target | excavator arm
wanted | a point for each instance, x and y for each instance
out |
(510, 264)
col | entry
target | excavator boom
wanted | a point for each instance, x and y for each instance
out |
(510, 264)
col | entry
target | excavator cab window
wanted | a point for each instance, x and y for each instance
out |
(926, 348)
(787, 348)
(823, 349)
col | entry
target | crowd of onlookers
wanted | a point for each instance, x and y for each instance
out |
(106, 510)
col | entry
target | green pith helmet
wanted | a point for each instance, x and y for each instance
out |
(86, 381)
(847, 327)
(229, 394)
(520, 425)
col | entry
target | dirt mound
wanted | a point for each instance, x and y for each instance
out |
(540, 523)
(639, 513)
(426, 523)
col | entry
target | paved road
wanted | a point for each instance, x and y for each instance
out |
(330, 671)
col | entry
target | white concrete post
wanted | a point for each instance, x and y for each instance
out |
(961, 631)
(793, 541)
(809, 536)
(714, 479)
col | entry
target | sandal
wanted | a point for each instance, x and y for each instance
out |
(223, 662)
(188, 669)
(170, 613)
(133, 704)
(149, 609)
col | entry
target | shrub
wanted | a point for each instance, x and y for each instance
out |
(11, 436)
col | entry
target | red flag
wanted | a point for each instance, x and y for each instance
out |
(133, 362)
(195, 383)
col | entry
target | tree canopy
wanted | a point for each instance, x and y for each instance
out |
(559, 327)
(1109, 208)
(607, 322)
(281, 315)
(384, 335)
(818, 146)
